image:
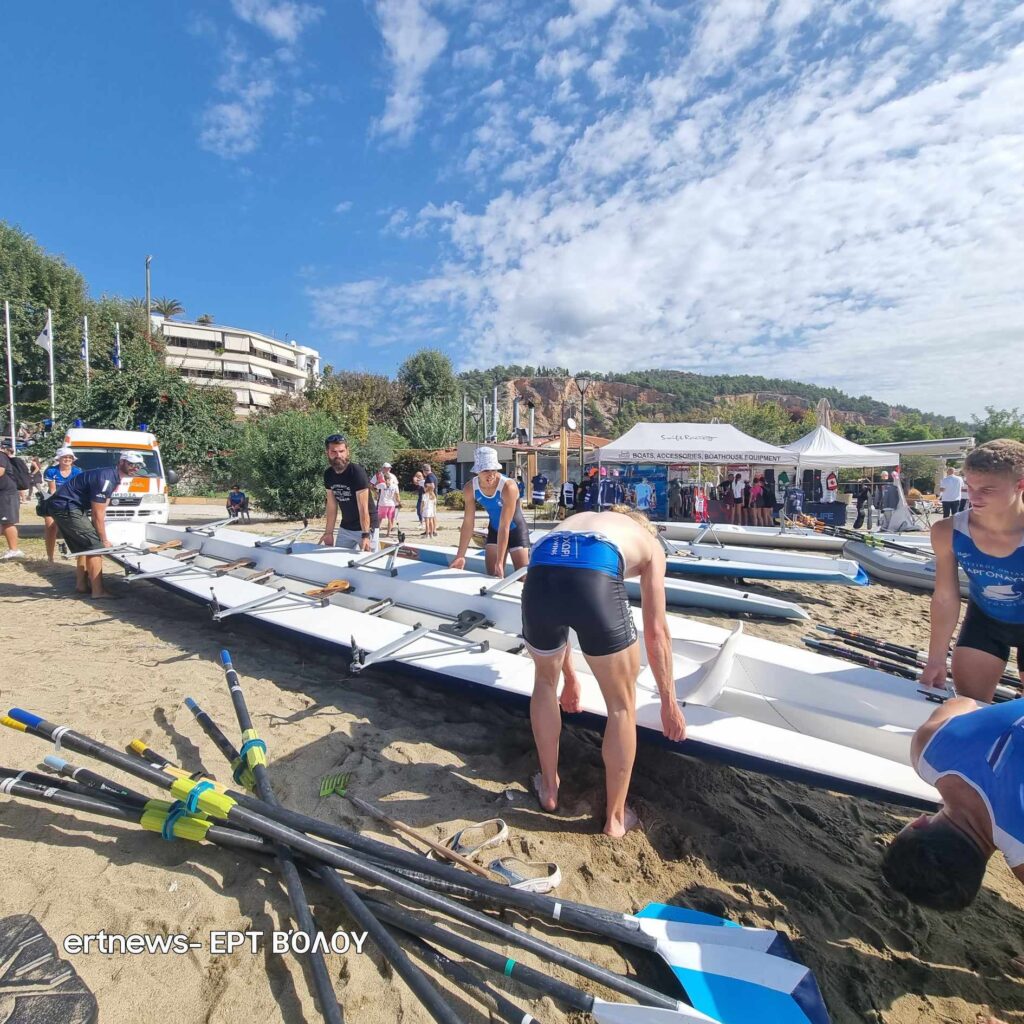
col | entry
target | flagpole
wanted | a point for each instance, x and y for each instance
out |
(117, 346)
(85, 347)
(10, 375)
(53, 393)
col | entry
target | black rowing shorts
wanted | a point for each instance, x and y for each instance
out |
(518, 535)
(593, 603)
(980, 632)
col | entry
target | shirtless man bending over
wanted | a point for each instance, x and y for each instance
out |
(576, 582)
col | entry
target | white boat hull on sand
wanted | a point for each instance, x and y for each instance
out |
(917, 571)
(796, 537)
(749, 702)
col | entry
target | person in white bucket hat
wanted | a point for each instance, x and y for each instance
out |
(63, 470)
(498, 496)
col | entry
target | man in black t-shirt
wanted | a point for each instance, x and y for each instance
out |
(349, 493)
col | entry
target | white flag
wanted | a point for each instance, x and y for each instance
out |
(44, 341)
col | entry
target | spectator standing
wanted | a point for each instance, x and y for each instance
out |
(417, 486)
(388, 502)
(429, 510)
(950, 493)
(675, 500)
(10, 508)
(63, 470)
(862, 499)
(756, 495)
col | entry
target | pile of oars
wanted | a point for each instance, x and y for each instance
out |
(896, 659)
(845, 533)
(304, 848)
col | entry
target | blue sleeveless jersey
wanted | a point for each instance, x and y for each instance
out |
(493, 505)
(996, 584)
(985, 748)
(578, 551)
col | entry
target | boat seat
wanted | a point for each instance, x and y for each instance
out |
(465, 622)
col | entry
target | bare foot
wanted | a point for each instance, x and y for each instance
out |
(82, 590)
(104, 595)
(547, 798)
(570, 699)
(617, 829)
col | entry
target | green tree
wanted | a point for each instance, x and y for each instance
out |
(433, 423)
(34, 281)
(428, 374)
(380, 446)
(205, 318)
(357, 396)
(767, 421)
(282, 459)
(998, 423)
(168, 307)
(193, 424)
(911, 427)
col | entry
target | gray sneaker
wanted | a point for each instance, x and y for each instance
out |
(11, 556)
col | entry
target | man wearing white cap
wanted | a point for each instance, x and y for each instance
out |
(63, 470)
(79, 508)
(498, 496)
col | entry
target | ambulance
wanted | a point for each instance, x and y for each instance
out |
(145, 500)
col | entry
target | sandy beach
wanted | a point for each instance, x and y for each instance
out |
(764, 852)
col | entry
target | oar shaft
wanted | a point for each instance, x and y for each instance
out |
(257, 816)
(323, 989)
(94, 781)
(221, 742)
(573, 997)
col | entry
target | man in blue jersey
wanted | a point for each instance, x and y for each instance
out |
(576, 581)
(986, 541)
(79, 508)
(974, 755)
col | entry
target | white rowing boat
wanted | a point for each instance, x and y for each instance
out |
(678, 593)
(792, 537)
(902, 567)
(749, 702)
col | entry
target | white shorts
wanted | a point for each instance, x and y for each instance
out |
(353, 539)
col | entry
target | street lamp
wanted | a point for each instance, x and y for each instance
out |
(582, 382)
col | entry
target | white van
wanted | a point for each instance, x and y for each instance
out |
(146, 500)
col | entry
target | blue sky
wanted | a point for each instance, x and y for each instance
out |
(831, 192)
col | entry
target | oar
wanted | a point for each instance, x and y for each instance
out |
(503, 1006)
(240, 771)
(251, 813)
(602, 1011)
(859, 658)
(253, 751)
(898, 650)
(541, 947)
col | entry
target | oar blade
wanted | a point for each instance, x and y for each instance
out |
(737, 985)
(627, 1013)
(678, 924)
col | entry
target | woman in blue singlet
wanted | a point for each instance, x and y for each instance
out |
(986, 541)
(498, 496)
(60, 473)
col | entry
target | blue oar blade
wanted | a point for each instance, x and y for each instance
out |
(737, 986)
(685, 925)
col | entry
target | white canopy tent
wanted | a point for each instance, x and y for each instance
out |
(713, 443)
(821, 449)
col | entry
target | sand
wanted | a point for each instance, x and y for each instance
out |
(764, 852)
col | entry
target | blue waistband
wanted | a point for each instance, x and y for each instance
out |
(579, 551)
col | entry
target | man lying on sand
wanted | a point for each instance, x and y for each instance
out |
(987, 542)
(576, 582)
(974, 755)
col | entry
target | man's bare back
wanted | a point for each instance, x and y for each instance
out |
(635, 543)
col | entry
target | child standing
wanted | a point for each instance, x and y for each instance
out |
(429, 510)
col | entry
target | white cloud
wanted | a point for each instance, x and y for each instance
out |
(414, 39)
(477, 58)
(344, 206)
(230, 129)
(824, 194)
(283, 20)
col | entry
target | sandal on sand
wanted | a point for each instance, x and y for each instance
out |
(528, 875)
(470, 840)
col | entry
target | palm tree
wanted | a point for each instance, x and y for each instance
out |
(206, 318)
(167, 307)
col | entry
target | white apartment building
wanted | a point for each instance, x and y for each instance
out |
(252, 365)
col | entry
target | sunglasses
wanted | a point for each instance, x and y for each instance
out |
(336, 439)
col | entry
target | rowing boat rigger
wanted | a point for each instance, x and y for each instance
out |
(749, 702)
